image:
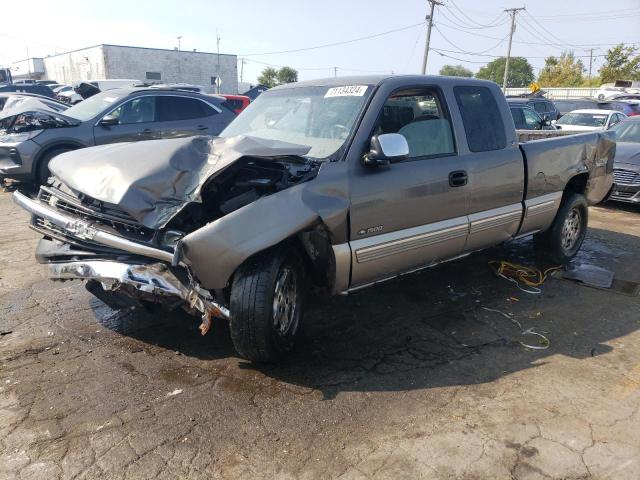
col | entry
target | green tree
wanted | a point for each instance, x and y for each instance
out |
(562, 71)
(520, 72)
(271, 77)
(287, 75)
(456, 71)
(621, 63)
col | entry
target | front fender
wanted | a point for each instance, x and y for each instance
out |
(216, 250)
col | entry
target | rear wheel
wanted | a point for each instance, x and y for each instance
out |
(563, 240)
(42, 170)
(266, 305)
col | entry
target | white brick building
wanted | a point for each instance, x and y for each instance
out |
(154, 65)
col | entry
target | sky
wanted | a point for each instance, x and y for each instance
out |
(473, 32)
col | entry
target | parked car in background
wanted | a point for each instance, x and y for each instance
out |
(569, 105)
(180, 86)
(589, 120)
(49, 83)
(525, 118)
(28, 88)
(626, 166)
(72, 97)
(610, 90)
(629, 107)
(118, 115)
(13, 100)
(237, 103)
(542, 106)
(356, 180)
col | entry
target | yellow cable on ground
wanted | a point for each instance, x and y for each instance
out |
(529, 276)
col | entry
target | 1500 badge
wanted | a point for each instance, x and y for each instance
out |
(370, 230)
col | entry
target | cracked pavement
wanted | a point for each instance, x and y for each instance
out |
(408, 379)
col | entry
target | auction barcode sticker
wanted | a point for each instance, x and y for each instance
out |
(346, 91)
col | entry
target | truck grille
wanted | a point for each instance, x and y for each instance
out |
(107, 217)
(626, 177)
(623, 195)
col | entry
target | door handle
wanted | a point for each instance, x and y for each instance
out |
(458, 178)
(202, 127)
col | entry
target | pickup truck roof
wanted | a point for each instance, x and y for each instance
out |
(400, 80)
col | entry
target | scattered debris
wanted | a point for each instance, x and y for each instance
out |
(6, 332)
(177, 391)
(543, 341)
(531, 277)
(599, 278)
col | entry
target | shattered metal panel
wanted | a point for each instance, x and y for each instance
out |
(152, 181)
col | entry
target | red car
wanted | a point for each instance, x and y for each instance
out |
(237, 103)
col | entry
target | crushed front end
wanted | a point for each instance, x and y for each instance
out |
(124, 262)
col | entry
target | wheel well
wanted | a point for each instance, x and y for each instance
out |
(53, 148)
(577, 184)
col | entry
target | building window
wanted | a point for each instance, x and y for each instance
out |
(154, 76)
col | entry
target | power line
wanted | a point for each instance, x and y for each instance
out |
(335, 44)
(472, 21)
(462, 24)
(469, 53)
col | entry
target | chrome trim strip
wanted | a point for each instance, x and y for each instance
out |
(542, 204)
(342, 255)
(85, 231)
(380, 246)
(494, 218)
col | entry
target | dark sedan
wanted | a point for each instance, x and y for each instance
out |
(627, 161)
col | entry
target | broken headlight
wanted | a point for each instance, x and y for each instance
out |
(170, 238)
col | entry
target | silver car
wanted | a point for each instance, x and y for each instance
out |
(31, 138)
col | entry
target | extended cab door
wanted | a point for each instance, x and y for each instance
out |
(414, 212)
(137, 120)
(494, 163)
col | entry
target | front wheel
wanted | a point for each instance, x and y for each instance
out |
(567, 232)
(266, 305)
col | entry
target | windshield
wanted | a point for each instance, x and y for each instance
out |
(627, 132)
(584, 119)
(93, 106)
(318, 117)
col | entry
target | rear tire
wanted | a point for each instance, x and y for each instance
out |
(562, 241)
(266, 305)
(42, 170)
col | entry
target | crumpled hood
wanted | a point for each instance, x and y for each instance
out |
(153, 180)
(627, 153)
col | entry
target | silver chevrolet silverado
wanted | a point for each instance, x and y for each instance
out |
(337, 184)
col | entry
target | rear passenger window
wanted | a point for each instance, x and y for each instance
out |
(419, 116)
(540, 107)
(481, 117)
(183, 108)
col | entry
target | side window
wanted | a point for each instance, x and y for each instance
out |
(183, 108)
(518, 118)
(418, 115)
(540, 107)
(481, 117)
(137, 110)
(532, 120)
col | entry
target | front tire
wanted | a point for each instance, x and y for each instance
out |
(266, 305)
(567, 232)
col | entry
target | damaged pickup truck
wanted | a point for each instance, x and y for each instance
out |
(337, 183)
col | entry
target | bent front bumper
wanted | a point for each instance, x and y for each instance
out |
(152, 279)
(155, 279)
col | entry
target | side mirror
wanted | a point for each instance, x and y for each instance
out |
(109, 120)
(553, 122)
(385, 149)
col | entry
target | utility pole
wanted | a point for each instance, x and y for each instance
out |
(218, 73)
(513, 12)
(242, 60)
(335, 71)
(432, 4)
(179, 37)
(590, 60)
